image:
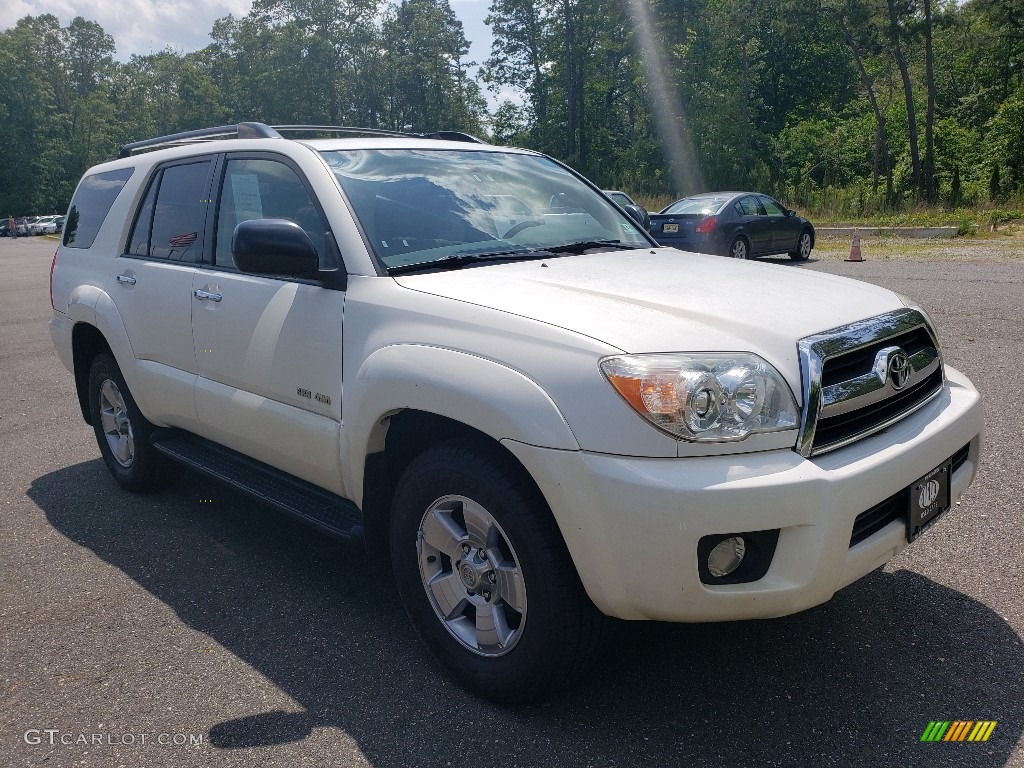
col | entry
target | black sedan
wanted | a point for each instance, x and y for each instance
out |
(743, 225)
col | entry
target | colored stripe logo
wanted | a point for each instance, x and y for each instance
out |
(958, 730)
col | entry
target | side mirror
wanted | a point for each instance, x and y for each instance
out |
(638, 214)
(790, 212)
(274, 247)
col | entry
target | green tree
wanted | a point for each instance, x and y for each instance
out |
(428, 87)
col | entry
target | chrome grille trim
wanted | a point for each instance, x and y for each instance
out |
(866, 389)
(874, 387)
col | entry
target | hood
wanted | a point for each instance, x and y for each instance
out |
(666, 300)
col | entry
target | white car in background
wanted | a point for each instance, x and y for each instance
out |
(44, 225)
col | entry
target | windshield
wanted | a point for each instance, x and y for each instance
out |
(706, 206)
(419, 206)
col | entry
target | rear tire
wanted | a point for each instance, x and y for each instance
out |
(486, 578)
(740, 248)
(122, 432)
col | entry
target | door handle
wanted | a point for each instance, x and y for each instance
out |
(126, 279)
(206, 295)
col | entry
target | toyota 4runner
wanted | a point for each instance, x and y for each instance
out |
(469, 360)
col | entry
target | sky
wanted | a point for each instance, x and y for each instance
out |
(143, 26)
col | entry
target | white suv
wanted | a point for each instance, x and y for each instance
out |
(471, 361)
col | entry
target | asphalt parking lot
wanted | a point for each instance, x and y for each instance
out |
(194, 628)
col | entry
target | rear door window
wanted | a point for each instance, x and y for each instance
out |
(747, 206)
(91, 204)
(171, 222)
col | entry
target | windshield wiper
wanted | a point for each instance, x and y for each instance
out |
(520, 253)
(463, 258)
(579, 246)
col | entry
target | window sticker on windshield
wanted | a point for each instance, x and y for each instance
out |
(628, 229)
(246, 190)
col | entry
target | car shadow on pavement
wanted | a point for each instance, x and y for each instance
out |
(854, 682)
(785, 261)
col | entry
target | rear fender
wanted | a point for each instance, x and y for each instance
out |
(92, 306)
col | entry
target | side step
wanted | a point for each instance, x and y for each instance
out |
(313, 505)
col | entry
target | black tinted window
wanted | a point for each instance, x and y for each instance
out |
(179, 215)
(91, 204)
(138, 243)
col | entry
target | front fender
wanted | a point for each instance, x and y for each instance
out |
(497, 400)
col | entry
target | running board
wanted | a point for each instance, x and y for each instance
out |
(311, 504)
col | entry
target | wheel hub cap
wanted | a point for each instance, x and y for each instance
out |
(117, 427)
(471, 576)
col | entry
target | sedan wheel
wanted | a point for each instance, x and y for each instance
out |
(803, 247)
(739, 249)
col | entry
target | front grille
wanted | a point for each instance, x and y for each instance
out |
(875, 519)
(894, 508)
(835, 431)
(861, 378)
(960, 458)
(859, 361)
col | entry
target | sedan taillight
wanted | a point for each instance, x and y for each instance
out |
(707, 226)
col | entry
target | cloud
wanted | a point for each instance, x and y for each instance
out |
(138, 26)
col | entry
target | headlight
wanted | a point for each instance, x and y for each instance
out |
(701, 396)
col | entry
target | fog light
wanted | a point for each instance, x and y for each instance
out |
(726, 556)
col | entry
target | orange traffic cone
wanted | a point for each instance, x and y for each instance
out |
(855, 248)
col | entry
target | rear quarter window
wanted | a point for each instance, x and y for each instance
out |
(91, 204)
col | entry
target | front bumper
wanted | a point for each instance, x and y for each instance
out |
(632, 524)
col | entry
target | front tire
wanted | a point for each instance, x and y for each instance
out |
(739, 249)
(803, 247)
(122, 432)
(486, 578)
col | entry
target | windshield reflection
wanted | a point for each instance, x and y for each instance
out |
(420, 205)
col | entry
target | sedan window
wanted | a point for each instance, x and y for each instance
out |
(771, 207)
(747, 206)
(707, 206)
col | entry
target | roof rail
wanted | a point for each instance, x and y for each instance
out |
(241, 131)
(453, 136)
(262, 131)
(442, 135)
(339, 129)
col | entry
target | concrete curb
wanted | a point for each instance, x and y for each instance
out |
(845, 231)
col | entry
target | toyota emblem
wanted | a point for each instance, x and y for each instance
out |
(899, 369)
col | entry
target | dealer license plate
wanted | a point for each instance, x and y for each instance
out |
(929, 498)
(670, 228)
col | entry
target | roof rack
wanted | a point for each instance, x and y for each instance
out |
(441, 135)
(240, 131)
(340, 129)
(251, 130)
(453, 136)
